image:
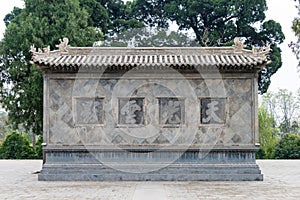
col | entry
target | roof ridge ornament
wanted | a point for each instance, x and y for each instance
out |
(238, 45)
(32, 49)
(261, 51)
(226, 58)
(63, 46)
(35, 52)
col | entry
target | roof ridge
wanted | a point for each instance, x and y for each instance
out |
(120, 57)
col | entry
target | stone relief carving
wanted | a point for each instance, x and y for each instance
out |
(131, 111)
(213, 110)
(89, 111)
(171, 111)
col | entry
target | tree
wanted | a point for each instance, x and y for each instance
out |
(289, 107)
(152, 13)
(39, 148)
(285, 107)
(267, 134)
(217, 23)
(296, 28)
(110, 15)
(41, 22)
(120, 15)
(98, 15)
(288, 147)
(149, 37)
(3, 125)
(15, 146)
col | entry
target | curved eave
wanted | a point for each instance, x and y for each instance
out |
(222, 62)
(74, 68)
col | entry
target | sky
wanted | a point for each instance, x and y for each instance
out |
(282, 11)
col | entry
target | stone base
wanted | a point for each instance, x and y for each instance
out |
(184, 172)
(146, 165)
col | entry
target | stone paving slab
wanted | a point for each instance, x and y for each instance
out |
(281, 181)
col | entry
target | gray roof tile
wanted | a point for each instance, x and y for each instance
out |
(186, 58)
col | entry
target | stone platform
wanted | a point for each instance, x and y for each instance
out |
(226, 164)
(281, 181)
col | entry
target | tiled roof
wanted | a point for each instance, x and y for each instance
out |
(72, 59)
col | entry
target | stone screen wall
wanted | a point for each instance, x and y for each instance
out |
(150, 111)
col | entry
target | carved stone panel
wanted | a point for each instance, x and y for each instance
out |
(88, 111)
(213, 110)
(131, 111)
(171, 111)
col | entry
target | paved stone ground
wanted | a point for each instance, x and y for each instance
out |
(18, 181)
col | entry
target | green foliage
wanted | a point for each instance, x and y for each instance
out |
(10, 16)
(15, 146)
(296, 28)
(152, 13)
(146, 37)
(98, 15)
(217, 23)
(267, 134)
(110, 15)
(264, 78)
(38, 148)
(41, 22)
(3, 125)
(288, 147)
(279, 115)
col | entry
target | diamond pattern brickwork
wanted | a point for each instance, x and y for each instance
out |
(238, 128)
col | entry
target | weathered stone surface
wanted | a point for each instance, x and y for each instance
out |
(234, 110)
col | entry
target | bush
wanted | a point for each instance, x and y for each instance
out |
(16, 146)
(288, 147)
(38, 148)
(260, 154)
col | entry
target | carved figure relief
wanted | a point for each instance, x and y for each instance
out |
(89, 110)
(213, 110)
(171, 111)
(131, 111)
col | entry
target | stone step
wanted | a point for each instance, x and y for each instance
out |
(130, 172)
(152, 171)
(150, 177)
